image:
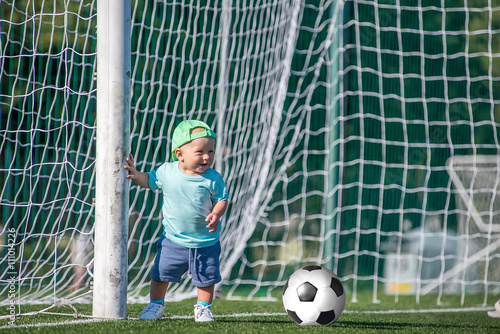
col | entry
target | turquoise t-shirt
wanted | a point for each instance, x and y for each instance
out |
(187, 201)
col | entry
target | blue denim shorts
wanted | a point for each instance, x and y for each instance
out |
(172, 261)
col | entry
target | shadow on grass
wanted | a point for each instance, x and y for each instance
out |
(371, 325)
(253, 320)
(427, 327)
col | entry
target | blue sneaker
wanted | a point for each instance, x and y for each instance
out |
(203, 313)
(152, 312)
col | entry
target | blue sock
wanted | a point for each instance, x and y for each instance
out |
(157, 301)
(199, 302)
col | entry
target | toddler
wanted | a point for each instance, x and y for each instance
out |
(194, 199)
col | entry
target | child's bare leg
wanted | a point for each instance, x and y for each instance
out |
(154, 310)
(202, 311)
(158, 289)
(206, 294)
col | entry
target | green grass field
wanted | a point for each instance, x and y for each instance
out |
(269, 317)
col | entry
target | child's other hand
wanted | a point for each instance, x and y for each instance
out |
(213, 220)
(132, 172)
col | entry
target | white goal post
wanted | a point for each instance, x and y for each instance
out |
(113, 146)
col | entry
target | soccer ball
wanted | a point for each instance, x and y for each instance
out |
(313, 296)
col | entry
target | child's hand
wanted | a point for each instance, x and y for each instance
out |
(139, 178)
(213, 217)
(213, 220)
(132, 172)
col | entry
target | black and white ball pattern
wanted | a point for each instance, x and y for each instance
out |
(314, 296)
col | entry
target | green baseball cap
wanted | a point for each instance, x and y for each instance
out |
(182, 134)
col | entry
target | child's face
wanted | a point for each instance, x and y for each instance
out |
(196, 156)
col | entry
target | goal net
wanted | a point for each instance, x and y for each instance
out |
(476, 182)
(335, 121)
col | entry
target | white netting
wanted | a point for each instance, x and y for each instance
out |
(476, 182)
(335, 120)
(47, 150)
